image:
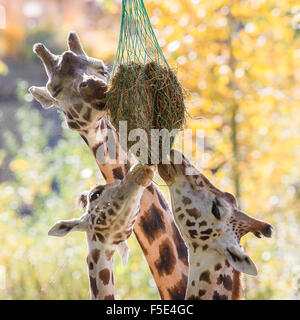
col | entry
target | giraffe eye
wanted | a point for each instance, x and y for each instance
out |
(215, 210)
(56, 92)
(95, 195)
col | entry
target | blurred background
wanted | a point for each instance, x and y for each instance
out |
(240, 61)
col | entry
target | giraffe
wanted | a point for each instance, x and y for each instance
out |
(111, 211)
(76, 86)
(211, 225)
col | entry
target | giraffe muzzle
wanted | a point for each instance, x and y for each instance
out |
(92, 89)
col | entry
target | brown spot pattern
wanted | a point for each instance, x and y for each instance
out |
(226, 280)
(201, 293)
(110, 211)
(167, 261)
(81, 123)
(152, 223)
(207, 231)
(193, 213)
(180, 245)
(193, 233)
(104, 275)
(195, 245)
(204, 238)
(78, 107)
(116, 205)
(73, 125)
(189, 223)
(178, 291)
(217, 296)
(118, 173)
(109, 254)
(87, 115)
(193, 297)
(93, 284)
(204, 276)
(181, 216)
(186, 200)
(73, 113)
(100, 237)
(202, 223)
(95, 255)
(218, 266)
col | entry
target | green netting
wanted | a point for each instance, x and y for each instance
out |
(144, 90)
(137, 40)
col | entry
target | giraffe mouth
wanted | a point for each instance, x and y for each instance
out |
(167, 172)
(178, 162)
(176, 167)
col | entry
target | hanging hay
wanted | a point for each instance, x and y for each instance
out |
(144, 90)
(147, 96)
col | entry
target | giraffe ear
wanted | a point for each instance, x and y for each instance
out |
(82, 200)
(240, 261)
(43, 97)
(62, 228)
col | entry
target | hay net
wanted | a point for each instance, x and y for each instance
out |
(144, 90)
(137, 42)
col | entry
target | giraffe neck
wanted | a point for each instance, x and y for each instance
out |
(210, 276)
(98, 139)
(100, 268)
(155, 228)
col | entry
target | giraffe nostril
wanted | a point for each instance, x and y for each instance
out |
(258, 234)
(83, 84)
(91, 82)
(268, 230)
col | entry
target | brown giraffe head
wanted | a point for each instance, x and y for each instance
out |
(111, 210)
(208, 218)
(77, 84)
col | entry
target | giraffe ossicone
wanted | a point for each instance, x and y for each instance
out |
(111, 211)
(211, 225)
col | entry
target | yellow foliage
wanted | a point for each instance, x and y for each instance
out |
(19, 165)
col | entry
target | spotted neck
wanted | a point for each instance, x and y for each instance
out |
(155, 228)
(210, 277)
(100, 268)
